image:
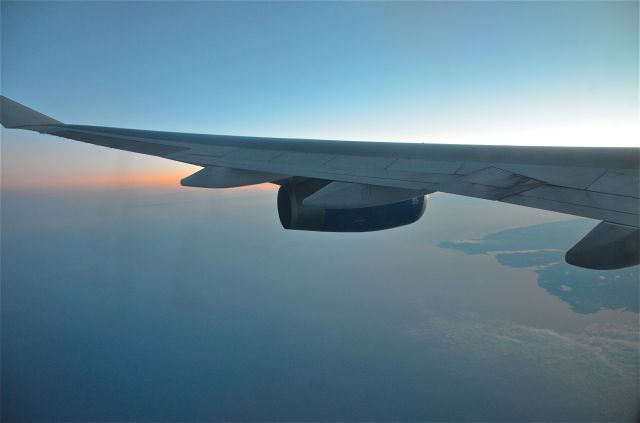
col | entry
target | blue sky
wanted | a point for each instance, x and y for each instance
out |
(503, 72)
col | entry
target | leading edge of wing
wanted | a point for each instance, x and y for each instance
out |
(605, 157)
(16, 115)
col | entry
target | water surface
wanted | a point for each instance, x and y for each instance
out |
(187, 304)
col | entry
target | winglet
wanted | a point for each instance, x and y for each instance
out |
(15, 115)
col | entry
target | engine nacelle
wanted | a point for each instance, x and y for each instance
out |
(294, 215)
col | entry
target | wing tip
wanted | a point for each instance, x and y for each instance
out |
(16, 115)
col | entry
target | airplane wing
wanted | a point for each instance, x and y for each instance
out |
(334, 178)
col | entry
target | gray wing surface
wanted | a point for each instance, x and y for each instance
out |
(599, 183)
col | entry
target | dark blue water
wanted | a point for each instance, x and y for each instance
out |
(180, 304)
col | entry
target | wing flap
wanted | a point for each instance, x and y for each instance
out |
(569, 176)
(359, 162)
(619, 182)
(426, 166)
(303, 159)
(580, 197)
(489, 183)
(559, 206)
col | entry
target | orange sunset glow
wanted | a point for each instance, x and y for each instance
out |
(110, 181)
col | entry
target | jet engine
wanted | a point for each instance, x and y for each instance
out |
(295, 215)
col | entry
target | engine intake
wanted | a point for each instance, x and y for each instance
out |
(293, 215)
